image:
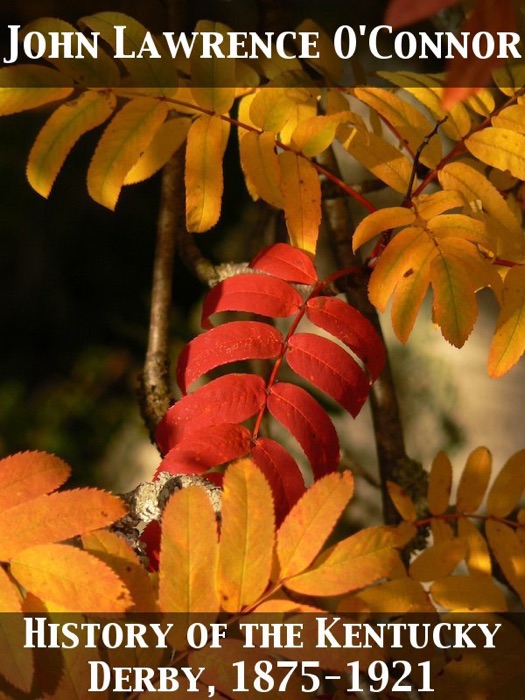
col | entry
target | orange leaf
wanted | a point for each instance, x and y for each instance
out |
(402, 595)
(311, 521)
(70, 578)
(354, 563)
(509, 553)
(507, 489)
(188, 553)
(402, 501)
(439, 484)
(16, 662)
(437, 561)
(474, 480)
(478, 556)
(28, 474)
(468, 594)
(508, 344)
(56, 517)
(114, 551)
(247, 536)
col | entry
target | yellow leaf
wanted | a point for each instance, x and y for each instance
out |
(354, 563)
(70, 578)
(380, 221)
(408, 121)
(464, 227)
(441, 531)
(154, 75)
(167, 140)
(247, 536)
(16, 662)
(474, 480)
(509, 553)
(56, 517)
(213, 79)
(113, 550)
(507, 489)
(410, 292)
(502, 148)
(328, 62)
(26, 87)
(428, 206)
(454, 308)
(311, 521)
(61, 132)
(402, 501)
(508, 344)
(125, 139)
(468, 594)
(314, 135)
(381, 158)
(25, 475)
(512, 118)
(403, 595)
(99, 71)
(478, 556)
(301, 193)
(261, 168)
(439, 484)
(271, 108)
(207, 139)
(437, 561)
(304, 107)
(188, 553)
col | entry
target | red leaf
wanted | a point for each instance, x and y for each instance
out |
(207, 448)
(350, 327)
(282, 472)
(233, 398)
(309, 423)
(286, 262)
(238, 340)
(329, 368)
(402, 12)
(258, 294)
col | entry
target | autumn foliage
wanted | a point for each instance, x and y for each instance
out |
(455, 227)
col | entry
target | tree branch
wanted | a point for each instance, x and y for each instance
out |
(393, 461)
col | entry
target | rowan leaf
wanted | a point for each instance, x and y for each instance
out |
(438, 561)
(429, 206)
(166, 141)
(25, 475)
(413, 126)
(212, 79)
(468, 594)
(271, 109)
(354, 563)
(261, 168)
(381, 158)
(301, 193)
(329, 368)
(61, 132)
(124, 140)
(115, 551)
(282, 473)
(506, 491)
(233, 398)
(27, 87)
(207, 138)
(327, 61)
(188, 554)
(311, 521)
(309, 423)
(509, 553)
(206, 448)
(16, 661)
(439, 484)
(379, 221)
(234, 341)
(247, 536)
(286, 262)
(410, 292)
(56, 517)
(478, 556)
(501, 148)
(70, 578)
(508, 344)
(257, 294)
(350, 327)
(402, 595)
(474, 480)
(402, 501)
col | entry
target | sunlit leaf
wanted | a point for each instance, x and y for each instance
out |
(286, 262)
(301, 193)
(468, 594)
(478, 556)
(261, 168)
(402, 501)
(167, 140)
(380, 221)
(474, 480)
(27, 87)
(16, 661)
(438, 561)
(509, 553)
(502, 148)
(25, 475)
